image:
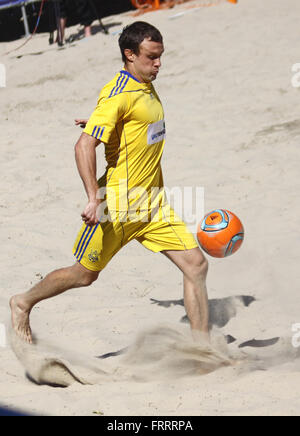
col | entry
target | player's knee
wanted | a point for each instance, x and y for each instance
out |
(204, 266)
(199, 268)
(83, 276)
(88, 278)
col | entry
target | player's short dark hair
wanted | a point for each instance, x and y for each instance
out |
(134, 34)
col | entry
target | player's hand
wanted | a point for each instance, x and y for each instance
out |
(90, 213)
(80, 122)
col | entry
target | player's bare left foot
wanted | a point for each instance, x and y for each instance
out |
(20, 319)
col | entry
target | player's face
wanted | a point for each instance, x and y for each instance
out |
(147, 63)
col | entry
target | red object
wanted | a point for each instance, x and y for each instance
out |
(156, 4)
(141, 4)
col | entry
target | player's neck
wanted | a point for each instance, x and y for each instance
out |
(133, 73)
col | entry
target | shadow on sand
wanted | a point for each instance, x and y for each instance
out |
(221, 312)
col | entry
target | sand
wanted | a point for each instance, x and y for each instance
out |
(233, 128)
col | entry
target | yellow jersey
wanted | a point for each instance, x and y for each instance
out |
(129, 120)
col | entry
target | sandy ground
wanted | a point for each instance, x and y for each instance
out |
(233, 128)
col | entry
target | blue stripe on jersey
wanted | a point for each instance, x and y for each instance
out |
(94, 130)
(88, 242)
(99, 133)
(102, 131)
(120, 85)
(124, 86)
(99, 128)
(130, 75)
(118, 82)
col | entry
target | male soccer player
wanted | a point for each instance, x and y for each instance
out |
(128, 202)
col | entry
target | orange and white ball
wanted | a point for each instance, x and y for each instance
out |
(221, 233)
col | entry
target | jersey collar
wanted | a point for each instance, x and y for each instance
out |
(130, 75)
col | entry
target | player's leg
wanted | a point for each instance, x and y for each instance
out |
(93, 249)
(53, 284)
(194, 267)
(168, 234)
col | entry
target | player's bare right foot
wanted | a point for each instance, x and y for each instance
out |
(20, 318)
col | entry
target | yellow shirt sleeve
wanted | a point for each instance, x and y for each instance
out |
(109, 111)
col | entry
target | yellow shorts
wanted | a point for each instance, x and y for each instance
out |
(95, 246)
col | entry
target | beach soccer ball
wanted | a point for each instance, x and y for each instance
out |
(220, 233)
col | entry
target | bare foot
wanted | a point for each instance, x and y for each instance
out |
(20, 319)
(202, 337)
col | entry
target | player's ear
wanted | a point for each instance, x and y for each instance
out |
(130, 56)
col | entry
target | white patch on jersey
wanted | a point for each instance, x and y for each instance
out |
(156, 132)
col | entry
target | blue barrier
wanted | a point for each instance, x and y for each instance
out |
(6, 4)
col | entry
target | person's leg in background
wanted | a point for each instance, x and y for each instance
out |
(86, 15)
(61, 11)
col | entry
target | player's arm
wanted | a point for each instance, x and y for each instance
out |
(85, 154)
(99, 128)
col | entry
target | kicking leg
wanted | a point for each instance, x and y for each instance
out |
(194, 267)
(53, 284)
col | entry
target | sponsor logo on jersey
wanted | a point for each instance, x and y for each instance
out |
(156, 132)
